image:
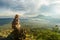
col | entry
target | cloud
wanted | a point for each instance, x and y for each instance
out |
(30, 8)
(23, 5)
(51, 10)
(26, 6)
(8, 13)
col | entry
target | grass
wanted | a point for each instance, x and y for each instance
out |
(32, 33)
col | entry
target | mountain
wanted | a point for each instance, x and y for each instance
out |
(51, 19)
(4, 22)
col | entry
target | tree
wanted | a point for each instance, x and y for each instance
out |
(56, 28)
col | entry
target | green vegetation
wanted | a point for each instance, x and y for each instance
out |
(45, 34)
(35, 33)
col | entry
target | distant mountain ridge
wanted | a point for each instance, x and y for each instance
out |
(25, 22)
(9, 20)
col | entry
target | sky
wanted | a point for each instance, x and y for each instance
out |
(46, 10)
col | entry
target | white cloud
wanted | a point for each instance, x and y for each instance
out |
(31, 7)
(8, 13)
(55, 8)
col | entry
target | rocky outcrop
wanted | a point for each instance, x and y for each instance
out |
(18, 33)
(16, 23)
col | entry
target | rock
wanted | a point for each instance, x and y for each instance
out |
(18, 33)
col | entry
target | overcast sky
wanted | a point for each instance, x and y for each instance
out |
(41, 9)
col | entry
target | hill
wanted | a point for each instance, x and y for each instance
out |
(25, 22)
